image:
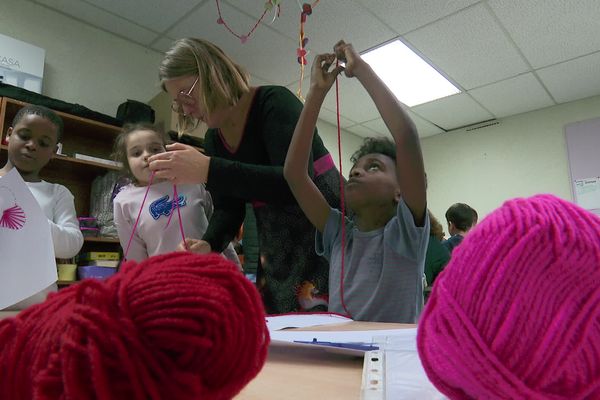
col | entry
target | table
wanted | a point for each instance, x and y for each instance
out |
(292, 373)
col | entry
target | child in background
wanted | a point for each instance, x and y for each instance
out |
(461, 218)
(32, 141)
(381, 275)
(437, 254)
(133, 146)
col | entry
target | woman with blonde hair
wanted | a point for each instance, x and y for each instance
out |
(249, 131)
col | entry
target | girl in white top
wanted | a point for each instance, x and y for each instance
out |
(155, 234)
(32, 141)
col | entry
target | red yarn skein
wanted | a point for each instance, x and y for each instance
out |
(175, 326)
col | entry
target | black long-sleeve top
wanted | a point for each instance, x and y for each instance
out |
(254, 171)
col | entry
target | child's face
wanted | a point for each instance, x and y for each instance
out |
(32, 143)
(373, 181)
(140, 145)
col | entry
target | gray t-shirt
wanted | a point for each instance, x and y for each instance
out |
(383, 269)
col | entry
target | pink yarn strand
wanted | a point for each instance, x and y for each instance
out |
(137, 220)
(342, 201)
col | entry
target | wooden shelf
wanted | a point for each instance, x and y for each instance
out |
(66, 283)
(82, 166)
(100, 239)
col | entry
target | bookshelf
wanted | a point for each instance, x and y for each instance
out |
(83, 136)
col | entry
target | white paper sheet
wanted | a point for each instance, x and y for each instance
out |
(299, 320)
(587, 193)
(395, 371)
(27, 263)
(367, 337)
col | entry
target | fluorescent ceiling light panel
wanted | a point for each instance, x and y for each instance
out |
(408, 76)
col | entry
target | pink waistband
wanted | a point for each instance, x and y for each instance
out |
(323, 164)
(320, 166)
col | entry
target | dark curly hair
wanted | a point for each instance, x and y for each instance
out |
(43, 112)
(375, 145)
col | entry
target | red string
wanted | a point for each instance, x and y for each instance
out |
(166, 328)
(174, 204)
(137, 220)
(243, 38)
(342, 201)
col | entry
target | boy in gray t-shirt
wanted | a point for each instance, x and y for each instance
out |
(381, 275)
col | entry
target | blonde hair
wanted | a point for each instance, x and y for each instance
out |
(222, 81)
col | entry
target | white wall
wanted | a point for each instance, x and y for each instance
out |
(523, 155)
(350, 143)
(84, 65)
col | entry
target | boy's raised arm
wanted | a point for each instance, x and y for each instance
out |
(409, 160)
(295, 169)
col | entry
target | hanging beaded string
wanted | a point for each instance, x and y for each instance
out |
(269, 5)
(301, 52)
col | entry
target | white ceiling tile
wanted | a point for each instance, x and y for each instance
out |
(453, 111)
(102, 19)
(470, 47)
(331, 117)
(405, 16)
(162, 44)
(377, 125)
(263, 50)
(513, 96)
(363, 131)
(329, 22)
(551, 31)
(572, 80)
(424, 127)
(157, 15)
(354, 100)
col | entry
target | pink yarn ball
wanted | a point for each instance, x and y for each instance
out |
(516, 313)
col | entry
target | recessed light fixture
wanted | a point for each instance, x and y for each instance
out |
(409, 77)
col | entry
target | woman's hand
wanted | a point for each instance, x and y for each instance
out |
(354, 63)
(195, 246)
(180, 164)
(321, 78)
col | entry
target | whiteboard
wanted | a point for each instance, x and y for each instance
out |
(583, 150)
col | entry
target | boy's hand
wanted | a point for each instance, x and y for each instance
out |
(345, 52)
(321, 77)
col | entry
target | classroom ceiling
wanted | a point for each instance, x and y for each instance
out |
(506, 56)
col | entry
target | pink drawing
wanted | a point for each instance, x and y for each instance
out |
(12, 217)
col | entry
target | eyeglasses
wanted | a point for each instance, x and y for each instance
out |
(184, 99)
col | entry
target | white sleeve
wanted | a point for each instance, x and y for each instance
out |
(230, 254)
(124, 223)
(66, 234)
(208, 203)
